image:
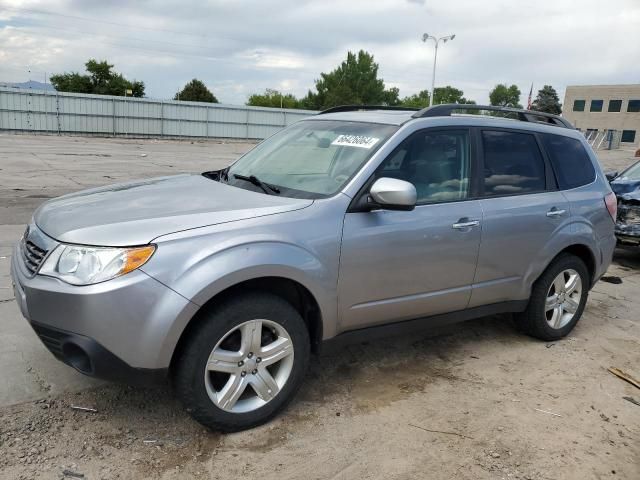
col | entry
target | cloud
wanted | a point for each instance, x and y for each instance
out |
(238, 48)
(274, 60)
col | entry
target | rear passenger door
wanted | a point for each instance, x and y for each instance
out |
(522, 208)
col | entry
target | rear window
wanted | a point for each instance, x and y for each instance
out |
(570, 161)
(513, 163)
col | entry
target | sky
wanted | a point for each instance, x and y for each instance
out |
(239, 47)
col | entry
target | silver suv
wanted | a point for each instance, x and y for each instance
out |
(225, 282)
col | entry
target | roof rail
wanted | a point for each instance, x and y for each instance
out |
(446, 110)
(355, 108)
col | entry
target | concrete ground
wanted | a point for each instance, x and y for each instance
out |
(475, 400)
(34, 168)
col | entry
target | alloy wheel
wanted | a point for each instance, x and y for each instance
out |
(563, 298)
(249, 366)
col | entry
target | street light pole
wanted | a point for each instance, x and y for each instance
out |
(437, 41)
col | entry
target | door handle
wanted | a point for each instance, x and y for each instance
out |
(463, 225)
(554, 212)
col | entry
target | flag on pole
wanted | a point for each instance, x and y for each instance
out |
(529, 101)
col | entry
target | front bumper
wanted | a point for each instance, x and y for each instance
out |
(90, 358)
(628, 234)
(122, 329)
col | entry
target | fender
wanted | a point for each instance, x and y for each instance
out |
(204, 277)
(570, 233)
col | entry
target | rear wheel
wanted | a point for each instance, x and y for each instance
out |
(557, 300)
(243, 362)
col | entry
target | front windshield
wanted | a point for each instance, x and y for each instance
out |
(310, 159)
(632, 173)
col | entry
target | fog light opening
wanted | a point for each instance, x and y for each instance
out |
(77, 358)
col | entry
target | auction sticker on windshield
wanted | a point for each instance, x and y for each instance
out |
(359, 141)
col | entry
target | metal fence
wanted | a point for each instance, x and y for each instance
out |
(37, 111)
(605, 140)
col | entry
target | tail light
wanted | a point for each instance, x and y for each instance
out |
(612, 204)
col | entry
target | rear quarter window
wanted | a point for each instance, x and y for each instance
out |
(569, 160)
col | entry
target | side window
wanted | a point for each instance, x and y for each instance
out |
(437, 163)
(570, 161)
(513, 163)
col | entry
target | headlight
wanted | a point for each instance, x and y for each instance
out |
(80, 265)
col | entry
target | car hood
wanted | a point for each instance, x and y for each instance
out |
(135, 213)
(620, 186)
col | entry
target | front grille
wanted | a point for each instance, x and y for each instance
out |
(33, 255)
(51, 339)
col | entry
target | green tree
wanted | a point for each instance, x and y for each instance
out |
(101, 80)
(195, 91)
(274, 99)
(450, 94)
(72, 82)
(547, 101)
(354, 81)
(504, 96)
(391, 97)
(446, 94)
(417, 100)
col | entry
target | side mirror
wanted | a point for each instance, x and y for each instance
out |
(611, 175)
(393, 194)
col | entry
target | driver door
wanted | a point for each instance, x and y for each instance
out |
(398, 265)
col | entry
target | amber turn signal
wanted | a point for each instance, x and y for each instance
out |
(136, 257)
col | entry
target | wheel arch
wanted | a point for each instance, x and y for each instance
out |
(584, 253)
(294, 292)
(580, 250)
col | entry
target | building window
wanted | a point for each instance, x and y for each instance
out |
(596, 105)
(615, 105)
(634, 106)
(628, 136)
(578, 105)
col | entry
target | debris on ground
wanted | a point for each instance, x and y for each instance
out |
(71, 473)
(548, 412)
(440, 431)
(632, 400)
(84, 409)
(624, 376)
(612, 279)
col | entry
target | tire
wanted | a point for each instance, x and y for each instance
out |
(541, 321)
(212, 396)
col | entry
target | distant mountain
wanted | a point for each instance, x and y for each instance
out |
(31, 84)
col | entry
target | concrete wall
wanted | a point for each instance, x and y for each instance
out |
(74, 113)
(604, 120)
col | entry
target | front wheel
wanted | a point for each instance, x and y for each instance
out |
(557, 300)
(243, 362)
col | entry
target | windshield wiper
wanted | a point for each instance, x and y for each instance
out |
(268, 189)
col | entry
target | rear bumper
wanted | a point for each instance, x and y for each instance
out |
(606, 246)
